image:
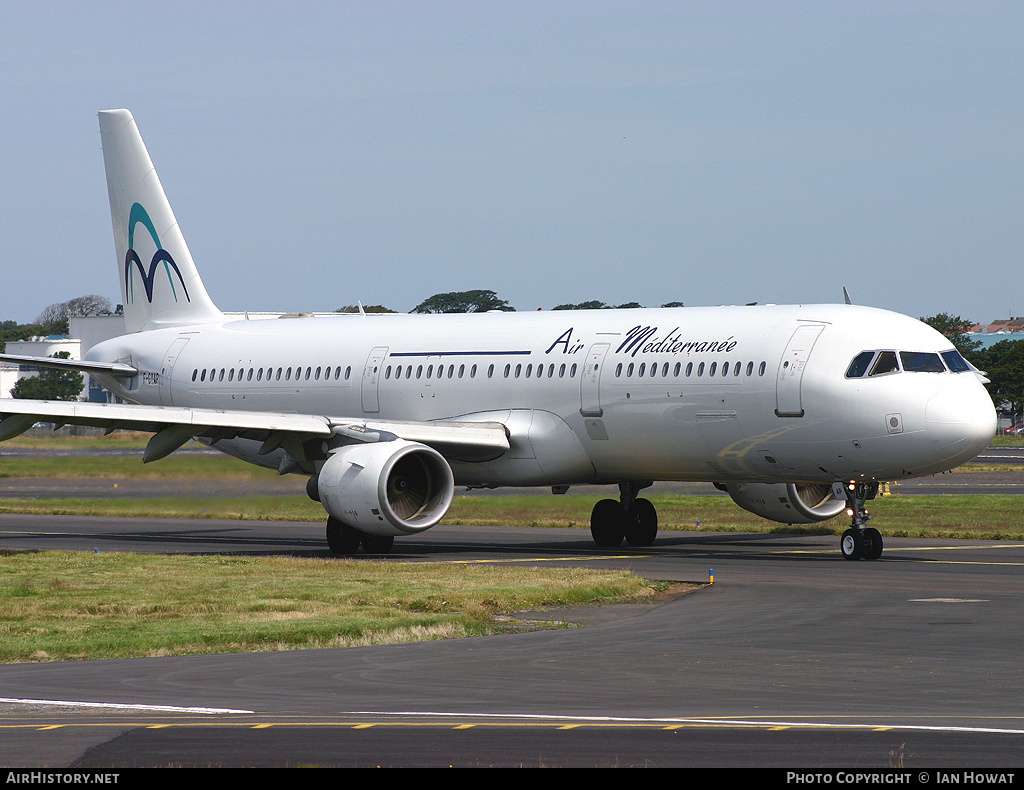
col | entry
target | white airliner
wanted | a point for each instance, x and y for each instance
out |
(796, 411)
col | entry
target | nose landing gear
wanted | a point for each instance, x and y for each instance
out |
(860, 542)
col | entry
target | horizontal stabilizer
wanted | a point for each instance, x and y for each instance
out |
(79, 365)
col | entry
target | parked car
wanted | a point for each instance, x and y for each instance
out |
(1015, 430)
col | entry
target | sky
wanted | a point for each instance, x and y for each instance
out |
(317, 154)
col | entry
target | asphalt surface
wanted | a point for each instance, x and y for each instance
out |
(793, 658)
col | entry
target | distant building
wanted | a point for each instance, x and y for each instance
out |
(36, 347)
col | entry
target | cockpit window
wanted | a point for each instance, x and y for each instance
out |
(955, 362)
(910, 361)
(860, 363)
(921, 362)
(886, 363)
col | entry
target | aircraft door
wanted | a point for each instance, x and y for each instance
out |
(167, 368)
(371, 379)
(590, 384)
(788, 401)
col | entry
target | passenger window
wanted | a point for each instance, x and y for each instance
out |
(921, 362)
(886, 363)
(859, 365)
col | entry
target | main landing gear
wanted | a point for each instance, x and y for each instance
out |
(632, 519)
(344, 540)
(860, 542)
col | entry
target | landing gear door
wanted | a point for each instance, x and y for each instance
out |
(590, 385)
(371, 379)
(167, 369)
(788, 400)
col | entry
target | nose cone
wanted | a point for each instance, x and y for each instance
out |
(960, 422)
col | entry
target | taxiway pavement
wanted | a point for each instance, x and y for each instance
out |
(792, 658)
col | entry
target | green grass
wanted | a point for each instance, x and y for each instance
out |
(39, 438)
(130, 467)
(208, 467)
(948, 516)
(57, 606)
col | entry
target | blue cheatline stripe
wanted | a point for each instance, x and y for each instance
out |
(458, 353)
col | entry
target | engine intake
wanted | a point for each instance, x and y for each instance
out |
(385, 488)
(789, 503)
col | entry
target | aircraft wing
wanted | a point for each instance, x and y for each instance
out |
(173, 426)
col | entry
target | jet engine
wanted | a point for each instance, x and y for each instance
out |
(385, 488)
(790, 503)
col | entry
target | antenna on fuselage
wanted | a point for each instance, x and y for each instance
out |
(846, 296)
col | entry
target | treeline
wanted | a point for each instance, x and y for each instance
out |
(1002, 363)
(55, 319)
(482, 302)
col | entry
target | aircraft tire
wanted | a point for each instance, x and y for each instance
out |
(872, 544)
(642, 528)
(378, 544)
(852, 544)
(608, 523)
(341, 538)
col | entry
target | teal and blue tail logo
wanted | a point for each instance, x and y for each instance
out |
(139, 215)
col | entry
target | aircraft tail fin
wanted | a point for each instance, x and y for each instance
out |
(160, 285)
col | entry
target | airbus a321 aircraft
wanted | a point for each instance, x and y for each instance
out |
(796, 411)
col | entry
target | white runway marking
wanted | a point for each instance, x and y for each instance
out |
(120, 706)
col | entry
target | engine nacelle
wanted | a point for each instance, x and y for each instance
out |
(386, 488)
(790, 503)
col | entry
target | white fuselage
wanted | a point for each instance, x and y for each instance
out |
(756, 393)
